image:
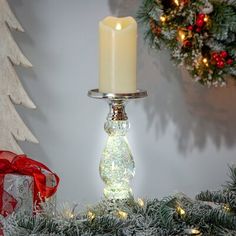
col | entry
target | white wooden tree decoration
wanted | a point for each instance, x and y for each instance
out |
(12, 127)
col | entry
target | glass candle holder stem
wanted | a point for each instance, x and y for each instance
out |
(117, 165)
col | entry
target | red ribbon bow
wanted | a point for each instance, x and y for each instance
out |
(21, 164)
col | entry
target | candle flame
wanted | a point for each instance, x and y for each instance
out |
(118, 26)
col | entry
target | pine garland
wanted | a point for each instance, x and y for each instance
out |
(200, 34)
(211, 213)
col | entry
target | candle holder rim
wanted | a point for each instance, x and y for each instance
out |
(94, 93)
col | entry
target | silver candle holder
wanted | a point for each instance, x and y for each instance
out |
(117, 165)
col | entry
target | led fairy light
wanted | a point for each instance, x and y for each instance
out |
(68, 214)
(205, 18)
(205, 61)
(91, 215)
(226, 207)
(180, 210)
(122, 215)
(182, 36)
(192, 232)
(163, 18)
(176, 2)
(140, 202)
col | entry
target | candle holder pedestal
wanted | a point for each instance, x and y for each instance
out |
(117, 165)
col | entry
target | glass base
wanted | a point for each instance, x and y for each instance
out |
(118, 192)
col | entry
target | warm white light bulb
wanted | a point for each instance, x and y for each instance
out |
(176, 2)
(181, 35)
(195, 231)
(181, 211)
(163, 18)
(90, 215)
(205, 19)
(118, 26)
(122, 215)
(140, 202)
(205, 61)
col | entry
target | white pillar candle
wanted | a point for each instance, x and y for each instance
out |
(118, 46)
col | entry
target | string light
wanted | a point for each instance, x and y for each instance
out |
(195, 231)
(122, 215)
(205, 61)
(140, 202)
(163, 18)
(68, 214)
(176, 2)
(90, 215)
(182, 35)
(205, 18)
(180, 210)
(226, 207)
(192, 231)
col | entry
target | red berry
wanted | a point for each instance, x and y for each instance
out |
(184, 2)
(190, 27)
(224, 54)
(198, 30)
(187, 43)
(201, 16)
(230, 61)
(218, 58)
(214, 55)
(200, 22)
(220, 64)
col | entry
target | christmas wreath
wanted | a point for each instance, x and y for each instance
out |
(200, 34)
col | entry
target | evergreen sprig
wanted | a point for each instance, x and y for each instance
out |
(231, 184)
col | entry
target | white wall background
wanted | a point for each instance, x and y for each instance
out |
(182, 136)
